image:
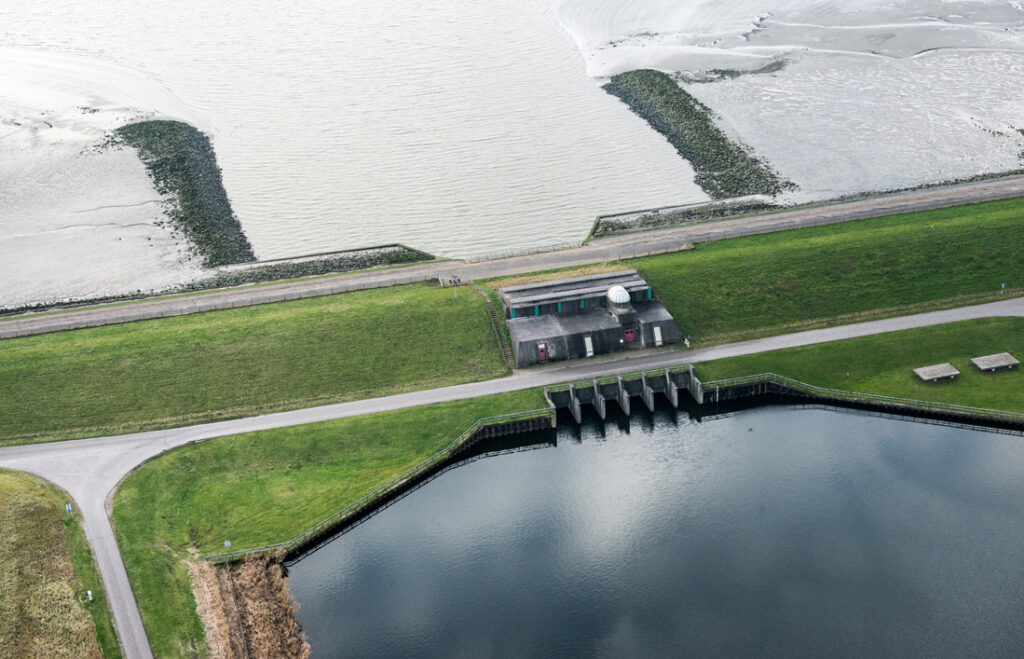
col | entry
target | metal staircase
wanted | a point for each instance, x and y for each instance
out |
(506, 351)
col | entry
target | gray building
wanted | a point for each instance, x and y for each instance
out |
(585, 316)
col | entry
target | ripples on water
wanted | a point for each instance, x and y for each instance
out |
(460, 128)
(471, 128)
(771, 532)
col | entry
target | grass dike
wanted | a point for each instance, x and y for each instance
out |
(239, 362)
(258, 489)
(46, 567)
(725, 169)
(883, 364)
(182, 164)
(777, 283)
(188, 369)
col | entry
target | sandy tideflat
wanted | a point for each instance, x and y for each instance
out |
(78, 220)
(873, 95)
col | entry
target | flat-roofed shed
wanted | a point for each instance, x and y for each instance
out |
(993, 363)
(937, 372)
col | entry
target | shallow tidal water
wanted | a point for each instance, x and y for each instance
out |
(774, 531)
(462, 128)
(466, 129)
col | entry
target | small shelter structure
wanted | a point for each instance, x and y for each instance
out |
(585, 316)
(992, 363)
(937, 372)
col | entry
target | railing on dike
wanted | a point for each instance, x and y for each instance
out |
(525, 251)
(862, 397)
(367, 500)
(611, 379)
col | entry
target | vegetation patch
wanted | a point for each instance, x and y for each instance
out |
(247, 610)
(223, 364)
(45, 570)
(262, 488)
(676, 217)
(181, 162)
(724, 168)
(883, 364)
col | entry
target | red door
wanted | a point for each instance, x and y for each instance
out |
(542, 352)
(630, 335)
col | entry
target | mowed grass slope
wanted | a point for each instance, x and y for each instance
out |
(775, 283)
(45, 569)
(175, 371)
(263, 488)
(883, 364)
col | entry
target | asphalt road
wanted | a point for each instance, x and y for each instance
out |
(90, 469)
(606, 249)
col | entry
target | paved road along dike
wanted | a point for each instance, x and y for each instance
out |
(90, 469)
(605, 249)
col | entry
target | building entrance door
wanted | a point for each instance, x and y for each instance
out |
(630, 335)
(542, 352)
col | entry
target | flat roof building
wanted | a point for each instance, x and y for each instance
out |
(936, 372)
(992, 363)
(585, 316)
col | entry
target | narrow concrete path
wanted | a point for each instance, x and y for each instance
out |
(607, 249)
(90, 469)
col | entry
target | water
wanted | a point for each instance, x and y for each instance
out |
(775, 531)
(873, 95)
(465, 128)
(461, 128)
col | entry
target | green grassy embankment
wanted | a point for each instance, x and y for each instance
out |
(263, 488)
(788, 281)
(188, 369)
(724, 168)
(782, 282)
(46, 568)
(883, 364)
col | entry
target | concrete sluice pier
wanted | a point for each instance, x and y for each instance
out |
(621, 389)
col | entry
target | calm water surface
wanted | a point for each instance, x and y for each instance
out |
(774, 531)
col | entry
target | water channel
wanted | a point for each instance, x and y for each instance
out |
(777, 530)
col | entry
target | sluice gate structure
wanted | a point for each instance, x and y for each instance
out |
(621, 389)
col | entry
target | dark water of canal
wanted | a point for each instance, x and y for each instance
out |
(773, 531)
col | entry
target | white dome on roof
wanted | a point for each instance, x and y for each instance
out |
(618, 295)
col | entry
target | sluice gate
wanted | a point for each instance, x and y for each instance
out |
(622, 388)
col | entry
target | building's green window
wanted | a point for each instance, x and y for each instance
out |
(536, 310)
(648, 294)
(559, 307)
(582, 303)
